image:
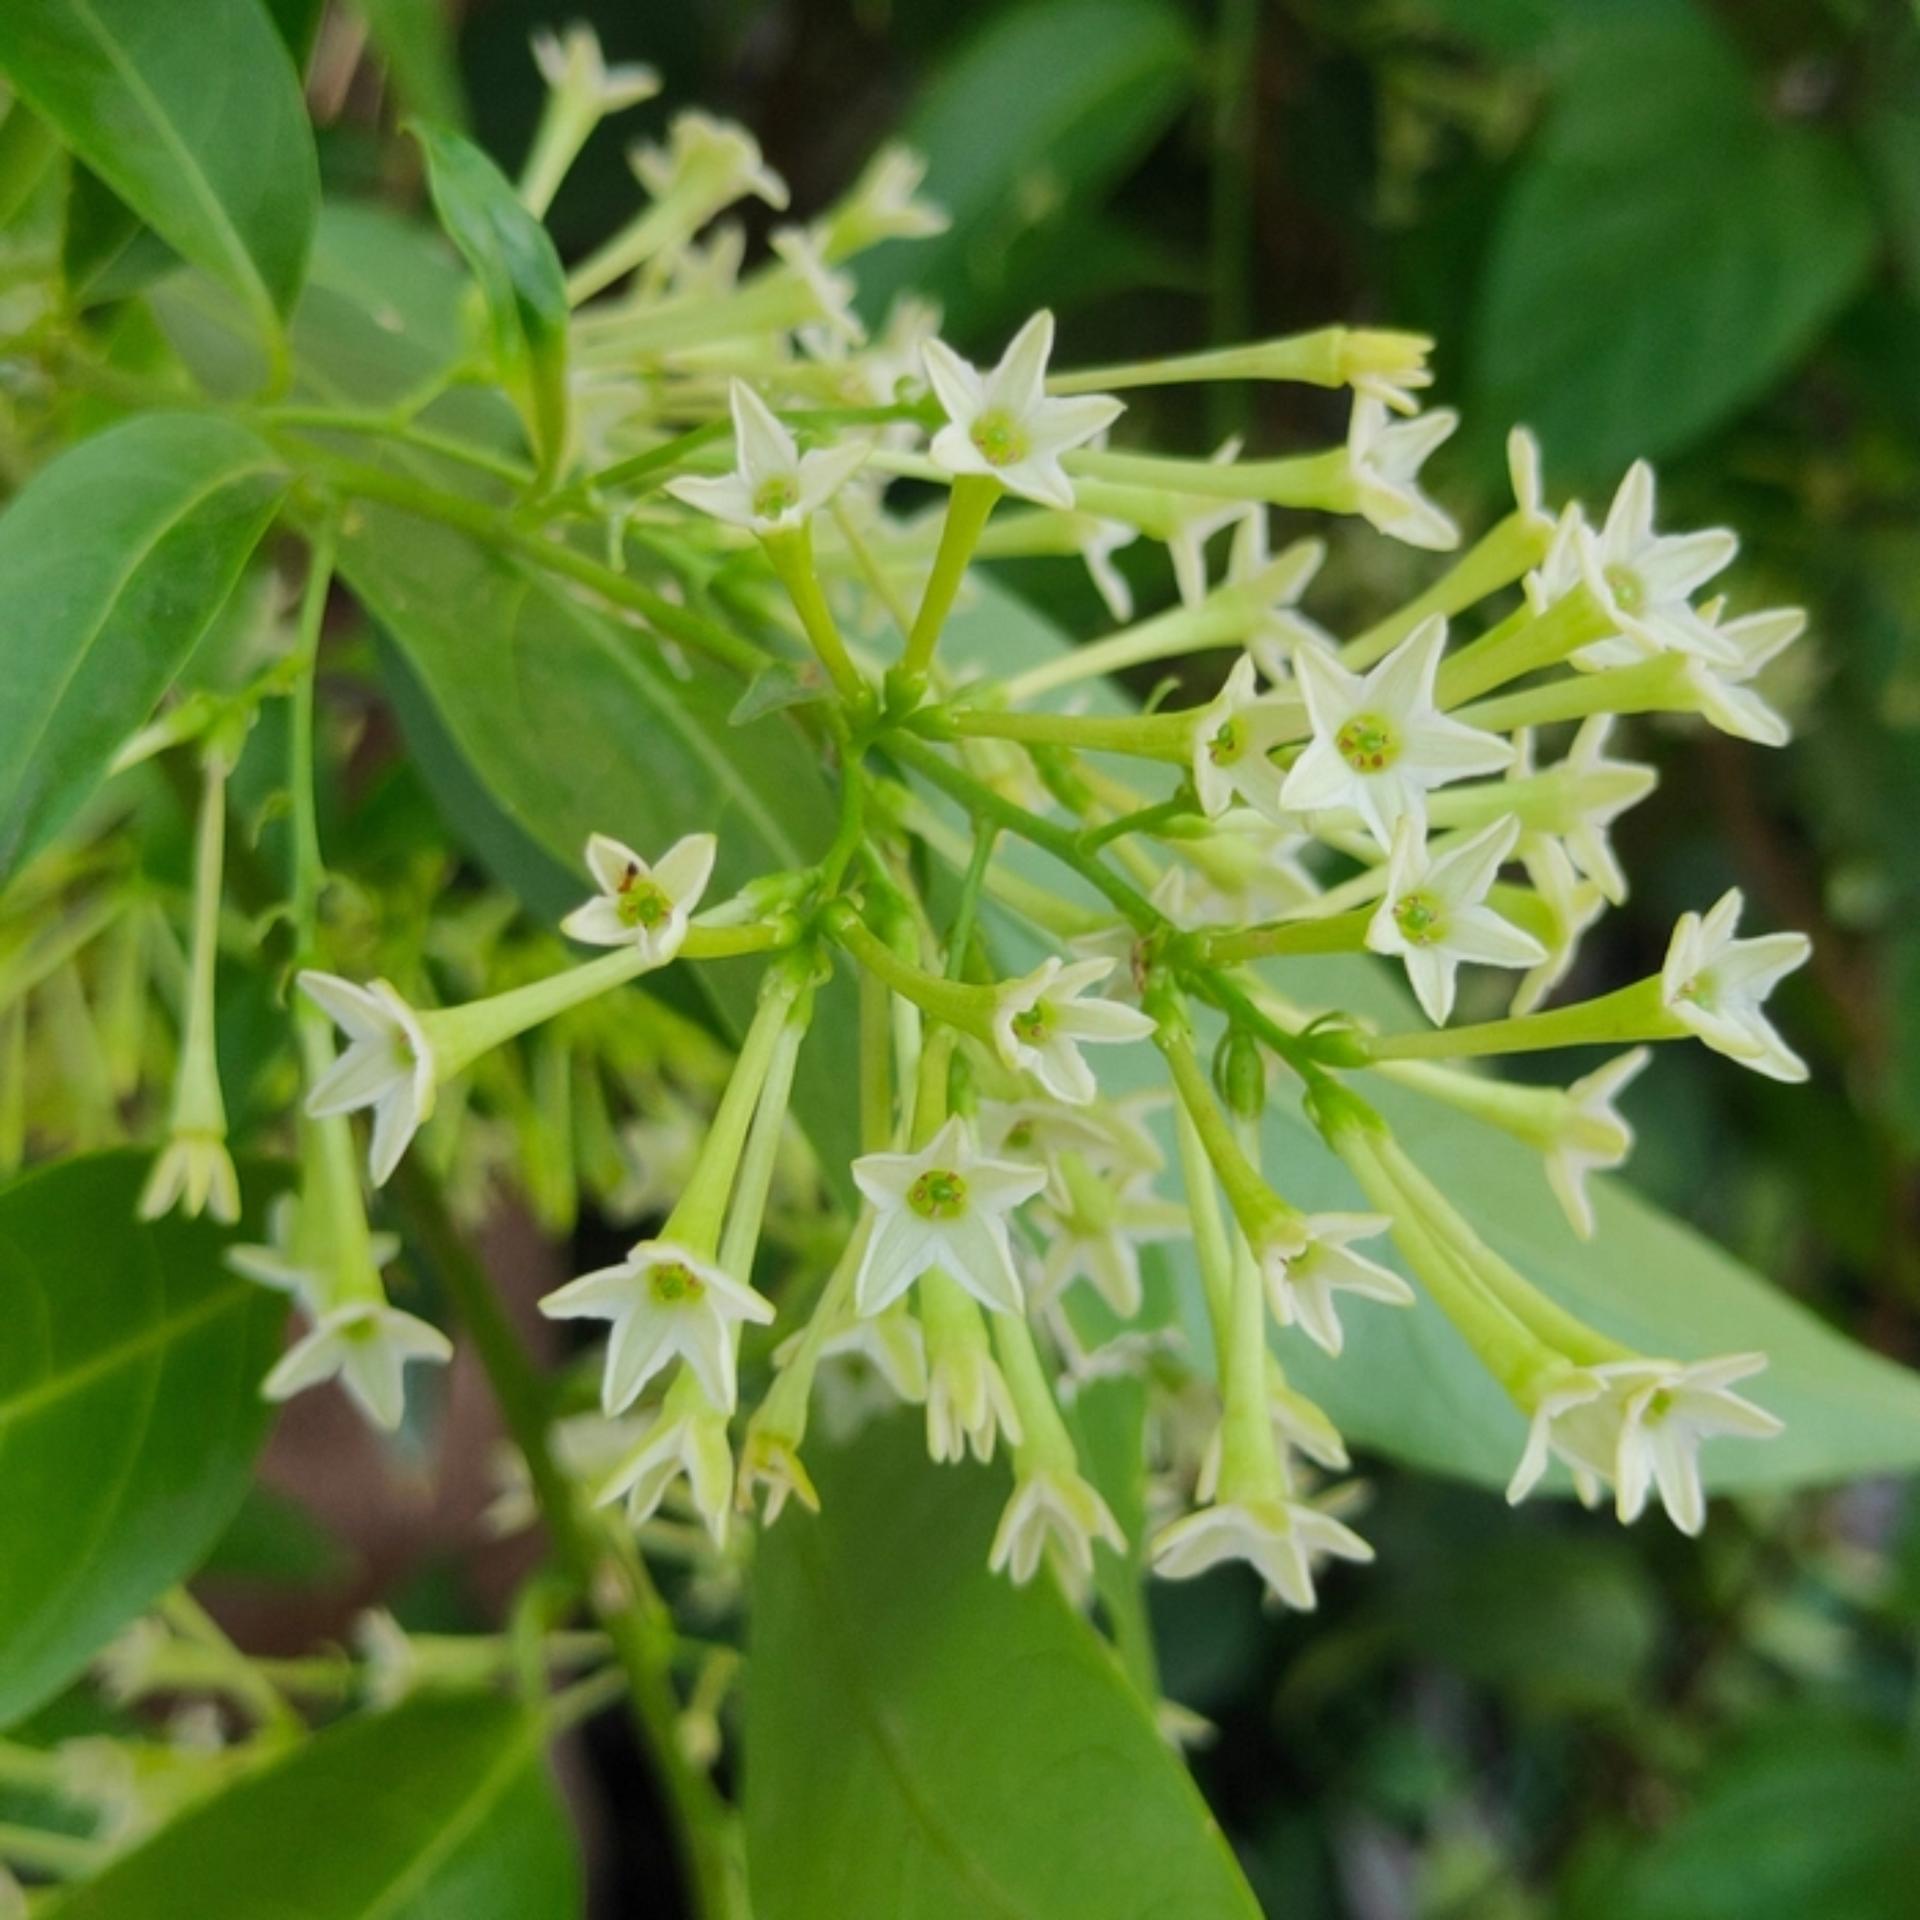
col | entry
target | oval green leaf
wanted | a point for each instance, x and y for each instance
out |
(113, 561)
(1023, 134)
(130, 1411)
(926, 1741)
(520, 280)
(539, 718)
(439, 1810)
(191, 112)
(1669, 251)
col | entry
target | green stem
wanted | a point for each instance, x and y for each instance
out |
(309, 866)
(1327, 933)
(791, 552)
(1496, 560)
(1147, 736)
(1321, 480)
(968, 506)
(705, 1828)
(967, 1007)
(983, 803)
(240, 1678)
(1624, 1017)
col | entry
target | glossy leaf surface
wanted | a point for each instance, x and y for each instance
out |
(192, 114)
(438, 1810)
(929, 1742)
(113, 560)
(130, 1411)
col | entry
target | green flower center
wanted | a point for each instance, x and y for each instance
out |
(1420, 918)
(1368, 743)
(939, 1194)
(1033, 1024)
(774, 497)
(1628, 590)
(640, 902)
(1227, 745)
(675, 1285)
(998, 439)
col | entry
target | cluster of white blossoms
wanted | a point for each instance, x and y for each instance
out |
(1437, 790)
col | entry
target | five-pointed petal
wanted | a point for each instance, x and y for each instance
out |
(1004, 426)
(1040, 1023)
(1715, 985)
(774, 486)
(945, 1207)
(388, 1064)
(1380, 743)
(663, 1300)
(640, 903)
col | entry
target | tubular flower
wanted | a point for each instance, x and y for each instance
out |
(944, 1207)
(1380, 743)
(1715, 985)
(1003, 425)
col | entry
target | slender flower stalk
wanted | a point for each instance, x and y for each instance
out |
(194, 1170)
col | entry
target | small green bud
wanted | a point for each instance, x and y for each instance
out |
(1240, 1074)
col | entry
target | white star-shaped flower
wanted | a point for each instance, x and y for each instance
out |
(663, 1300)
(1434, 915)
(773, 486)
(368, 1344)
(968, 1405)
(1602, 790)
(295, 1263)
(1721, 693)
(388, 1065)
(1054, 1509)
(1384, 456)
(1040, 1023)
(1300, 1290)
(1590, 1136)
(1380, 743)
(1714, 985)
(1094, 1227)
(640, 903)
(717, 159)
(881, 205)
(688, 1437)
(1097, 541)
(574, 65)
(1280, 1539)
(1233, 740)
(1645, 581)
(944, 1207)
(1004, 426)
(1639, 1424)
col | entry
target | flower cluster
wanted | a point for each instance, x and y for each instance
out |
(1033, 883)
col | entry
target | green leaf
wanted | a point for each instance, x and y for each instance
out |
(1023, 134)
(439, 1810)
(130, 1411)
(548, 720)
(192, 114)
(926, 1741)
(113, 560)
(1808, 1815)
(1669, 251)
(415, 39)
(520, 279)
(107, 252)
(1406, 1384)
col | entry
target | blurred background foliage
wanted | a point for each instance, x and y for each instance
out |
(1655, 227)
